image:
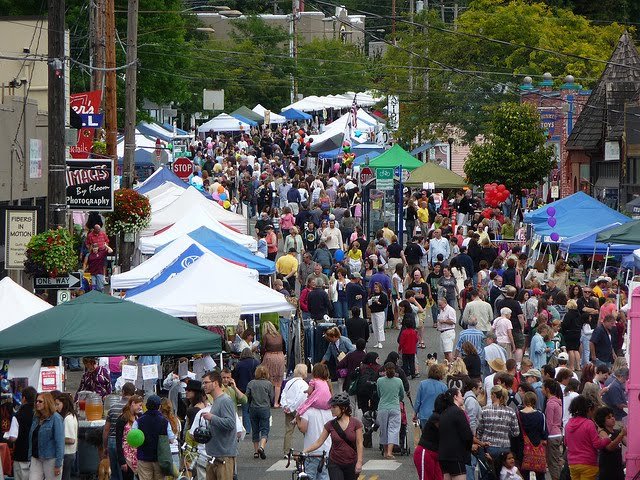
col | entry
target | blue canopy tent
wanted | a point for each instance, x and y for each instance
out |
(179, 264)
(293, 114)
(226, 248)
(585, 244)
(253, 123)
(331, 154)
(575, 214)
(164, 175)
(148, 130)
(169, 128)
(362, 159)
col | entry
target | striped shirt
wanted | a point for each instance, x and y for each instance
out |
(475, 337)
(498, 423)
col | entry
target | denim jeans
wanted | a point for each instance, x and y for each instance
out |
(311, 468)
(471, 468)
(259, 422)
(586, 354)
(246, 421)
(340, 309)
(116, 473)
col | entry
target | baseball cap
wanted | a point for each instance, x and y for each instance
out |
(153, 402)
(563, 356)
(356, 275)
(533, 372)
(537, 291)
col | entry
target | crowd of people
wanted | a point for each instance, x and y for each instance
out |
(530, 375)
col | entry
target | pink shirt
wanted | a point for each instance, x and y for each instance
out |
(318, 399)
(287, 221)
(501, 327)
(607, 309)
(583, 442)
(553, 417)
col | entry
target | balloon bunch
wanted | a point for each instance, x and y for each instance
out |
(495, 194)
(486, 213)
(348, 159)
(552, 221)
(346, 147)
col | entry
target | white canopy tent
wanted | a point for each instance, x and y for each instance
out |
(273, 117)
(164, 195)
(143, 142)
(210, 279)
(314, 103)
(16, 304)
(156, 264)
(196, 217)
(224, 123)
(368, 119)
(181, 205)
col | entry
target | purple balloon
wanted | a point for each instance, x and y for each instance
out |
(554, 236)
(552, 221)
(551, 211)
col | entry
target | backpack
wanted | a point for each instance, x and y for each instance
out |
(367, 386)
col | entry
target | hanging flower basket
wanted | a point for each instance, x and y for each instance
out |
(131, 213)
(51, 253)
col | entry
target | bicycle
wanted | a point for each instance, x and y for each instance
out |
(300, 473)
(190, 457)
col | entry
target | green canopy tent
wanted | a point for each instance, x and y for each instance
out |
(96, 324)
(396, 156)
(627, 234)
(247, 113)
(433, 173)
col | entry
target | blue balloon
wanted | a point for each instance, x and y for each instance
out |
(339, 255)
(223, 196)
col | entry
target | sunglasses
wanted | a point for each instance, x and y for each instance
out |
(39, 401)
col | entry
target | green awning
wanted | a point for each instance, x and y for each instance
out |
(440, 176)
(96, 324)
(396, 156)
(627, 234)
(247, 113)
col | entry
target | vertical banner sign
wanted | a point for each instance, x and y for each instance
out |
(20, 226)
(267, 117)
(35, 158)
(90, 185)
(87, 103)
(393, 111)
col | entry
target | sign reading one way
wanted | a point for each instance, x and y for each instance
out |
(74, 280)
(384, 178)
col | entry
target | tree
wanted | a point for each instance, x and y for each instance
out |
(468, 69)
(515, 151)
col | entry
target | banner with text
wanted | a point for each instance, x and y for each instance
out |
(87, 103)
(20, 226)
(90, 185)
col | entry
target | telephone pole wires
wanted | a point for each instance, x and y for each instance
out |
(111, 112)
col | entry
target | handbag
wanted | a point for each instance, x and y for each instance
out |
(534, 458)
(165, 460)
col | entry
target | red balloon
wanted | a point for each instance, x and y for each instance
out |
(501, 188)
(486, 186)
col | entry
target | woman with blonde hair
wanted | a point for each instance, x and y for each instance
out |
(458, 374)
(166, 409)
(273, 350)
(46, 440)
(498, 424)
(260, 397)
(561, 275)
(294, 240)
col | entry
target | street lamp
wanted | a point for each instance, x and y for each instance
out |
(450, 152)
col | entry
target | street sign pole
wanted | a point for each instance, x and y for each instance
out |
(400, 208)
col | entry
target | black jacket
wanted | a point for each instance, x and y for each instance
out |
(357, 328)
(457, 438)
(25, 419)
(318, 303)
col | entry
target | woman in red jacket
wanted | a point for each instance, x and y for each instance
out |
(583, 441)
(553, 414)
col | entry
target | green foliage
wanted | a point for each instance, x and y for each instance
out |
(514, 152)
(51, 253)
(466, 73)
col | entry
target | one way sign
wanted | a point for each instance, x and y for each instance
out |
(74, 280)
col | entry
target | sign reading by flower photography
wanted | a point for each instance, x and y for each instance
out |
(90, 185)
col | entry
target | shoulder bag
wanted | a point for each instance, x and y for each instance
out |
(342, 435)
(534, 458)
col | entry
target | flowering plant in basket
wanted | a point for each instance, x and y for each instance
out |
(131, 212)
(51, 253)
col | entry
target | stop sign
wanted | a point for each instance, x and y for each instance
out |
(366, 175)
(183, 167)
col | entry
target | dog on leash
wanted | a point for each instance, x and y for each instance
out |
(104, 469)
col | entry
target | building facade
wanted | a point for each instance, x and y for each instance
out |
(559, 110)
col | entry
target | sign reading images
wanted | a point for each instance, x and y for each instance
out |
(90, 185)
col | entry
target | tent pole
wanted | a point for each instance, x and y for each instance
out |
(606, 258)
(61, 367)
(593, 257)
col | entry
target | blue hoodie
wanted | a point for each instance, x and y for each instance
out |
(428, 391)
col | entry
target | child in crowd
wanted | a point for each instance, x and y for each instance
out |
(408, 339)
(319, 391)
(509, 470)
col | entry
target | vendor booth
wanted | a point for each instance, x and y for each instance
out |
(190, 200)
(196, 217)
(628, 234)
(246, 112)
(273, 117)
(223, 123)
(208, 281)
(184, 249)
(441, 177)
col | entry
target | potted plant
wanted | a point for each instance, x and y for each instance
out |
(51, 254)
(131, 213)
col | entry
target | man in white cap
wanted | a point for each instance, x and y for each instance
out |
(563, 362)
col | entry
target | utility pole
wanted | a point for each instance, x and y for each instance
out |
(411, 17)
(393, 21)
(57, 185)
(111, 113)
(293, 47)
(97, 24)
(128, 171)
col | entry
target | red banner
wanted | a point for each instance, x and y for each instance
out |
(82, 104)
